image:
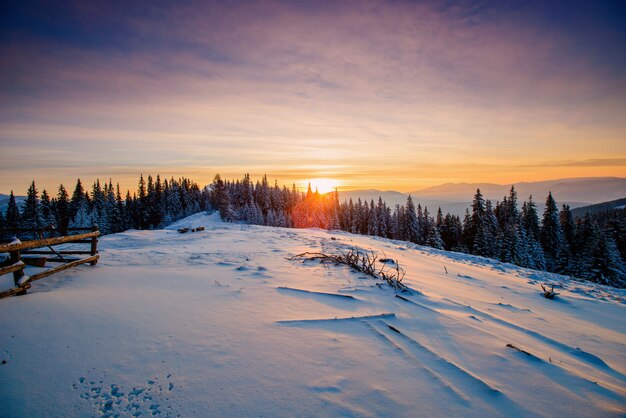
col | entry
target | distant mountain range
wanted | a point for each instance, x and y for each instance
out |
(456, 197)
(600, 207)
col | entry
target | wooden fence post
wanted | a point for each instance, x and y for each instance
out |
(94, 244)
(18, 274)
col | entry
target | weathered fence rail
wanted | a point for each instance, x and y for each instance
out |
(17, 263)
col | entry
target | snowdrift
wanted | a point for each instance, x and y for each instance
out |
(220, 323)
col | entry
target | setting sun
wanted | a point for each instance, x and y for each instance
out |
(323, 185)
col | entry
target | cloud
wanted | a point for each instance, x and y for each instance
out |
(425, 90)
(594, 162)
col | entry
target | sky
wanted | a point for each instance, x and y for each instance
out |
(369, 94)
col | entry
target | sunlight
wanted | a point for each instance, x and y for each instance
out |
(323, 185)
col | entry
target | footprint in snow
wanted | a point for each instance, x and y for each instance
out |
(109, 399)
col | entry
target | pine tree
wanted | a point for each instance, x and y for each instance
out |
(616, 229)
(585, 239)
(486, 241)
(122, 224)
(551, 235)
(77, 199)
(356, 218)
(142, 204)
(113, 217)
(334, 225)
(433, 238)
(512, 212)
(411, 227)
(530, 219)
(31, 212)
(607, 266)
(13, 217)
(400, 223)
(381, 215)
(46, 210)
(467, 237)
(476, 225)
(567, 226)
(98, 208)
(421, 233)
(510, 243)
(83, 218)
(62, 210)
(221, 200)
(372, 221)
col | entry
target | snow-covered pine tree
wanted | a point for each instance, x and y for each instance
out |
(569, 229)
(530, 219)
(411, 226)
(476, 227)
(467, 237)
(607, 266)
(98, 203)
(220, 198)
(615, 228)
(585, 238)
(447, 235)
(141, 204)
(400, 223)
(492, 228)
(510, 243)
(31, 211)
(270, 218)
(551, 235)
(421, 233)
(114, 217)
(356, 218)
(335, 224)
(512, 212)
(372, 221)
(381, 216)
(121, 209)
(13, 216)
(62, 210)
(439, 219)
(433, 238)
(83, 217)
(77, 197)
(47, 210)
(281, 219)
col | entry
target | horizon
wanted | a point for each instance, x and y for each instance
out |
(380, 95)
(302, 186)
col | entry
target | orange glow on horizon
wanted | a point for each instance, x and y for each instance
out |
(323, 185)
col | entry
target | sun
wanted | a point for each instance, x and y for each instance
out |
(323, 185)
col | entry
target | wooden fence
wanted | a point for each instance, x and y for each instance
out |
(17, 263)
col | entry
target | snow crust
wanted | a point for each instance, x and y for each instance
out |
(219, 323)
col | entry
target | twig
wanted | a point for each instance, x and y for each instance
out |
(364, 262)
(549, 293)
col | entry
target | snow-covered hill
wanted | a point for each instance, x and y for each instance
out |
(220, 323)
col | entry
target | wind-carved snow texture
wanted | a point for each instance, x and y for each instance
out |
(219, 323)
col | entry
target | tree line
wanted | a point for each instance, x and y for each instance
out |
(506, 231)
(155, 204)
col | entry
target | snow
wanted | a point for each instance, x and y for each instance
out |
(219, 323)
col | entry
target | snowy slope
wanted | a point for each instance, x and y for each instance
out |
(195, 325)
